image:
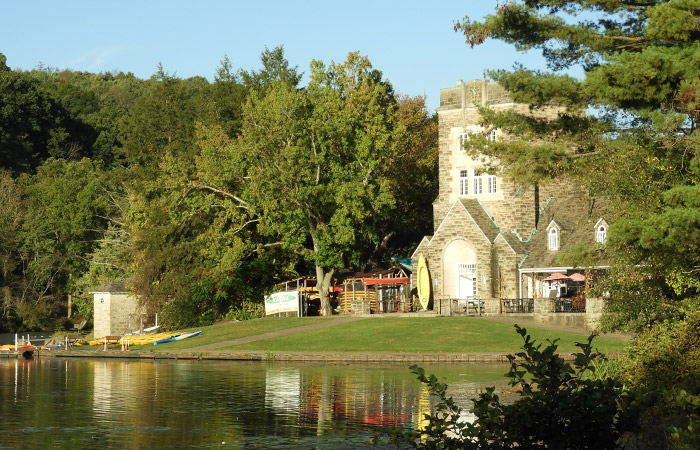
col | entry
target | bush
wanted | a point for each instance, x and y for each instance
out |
(248, 310)
(668, 354)
(563, 406)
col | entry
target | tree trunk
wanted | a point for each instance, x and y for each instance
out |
(323, 283)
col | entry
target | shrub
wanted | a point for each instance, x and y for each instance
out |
(562, 406)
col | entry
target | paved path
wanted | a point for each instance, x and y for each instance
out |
(273, 334)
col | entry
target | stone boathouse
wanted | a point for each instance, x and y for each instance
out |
(496, 243)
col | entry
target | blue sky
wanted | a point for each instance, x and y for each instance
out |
(412, 42)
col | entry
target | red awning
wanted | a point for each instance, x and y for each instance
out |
(374, 281)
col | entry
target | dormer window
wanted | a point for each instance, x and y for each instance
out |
(601, 235)
(601, 231)
(553, 236)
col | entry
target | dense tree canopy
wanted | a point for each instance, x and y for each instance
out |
(173, 185)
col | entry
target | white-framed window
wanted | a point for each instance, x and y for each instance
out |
(463, 138)
(491, 136)
(491, 183)
(477, 183)
(601, 234)
(466, 268)
(553, 239)
(463, 182)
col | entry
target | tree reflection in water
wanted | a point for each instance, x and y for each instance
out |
(162, 404)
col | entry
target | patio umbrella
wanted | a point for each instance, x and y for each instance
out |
(577, 277)
(556, 277)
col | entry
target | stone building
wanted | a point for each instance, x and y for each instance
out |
(116, 311)
(495, 239)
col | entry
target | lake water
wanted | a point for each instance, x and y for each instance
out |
(67, 403)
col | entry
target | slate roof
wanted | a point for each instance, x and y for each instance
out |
(114, 287)
(519, 247)
(483, 220)
(576, 224)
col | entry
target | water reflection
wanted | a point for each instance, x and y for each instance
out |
(153, 404)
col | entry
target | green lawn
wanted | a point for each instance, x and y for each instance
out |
(233, 330)
(420, 334)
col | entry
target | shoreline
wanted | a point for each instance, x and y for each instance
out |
(286, 356)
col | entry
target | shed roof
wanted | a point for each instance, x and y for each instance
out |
(113, 287)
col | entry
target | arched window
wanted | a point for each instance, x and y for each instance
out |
(553, 239)
(601, 234)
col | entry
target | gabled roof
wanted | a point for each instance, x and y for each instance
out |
(483, 220)
(520, 248)
(476, 212)
(423, 242)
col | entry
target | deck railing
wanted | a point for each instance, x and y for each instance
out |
(570, 305)
(518, 305)
(450, 306)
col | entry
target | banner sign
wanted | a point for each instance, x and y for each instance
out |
(280, 302)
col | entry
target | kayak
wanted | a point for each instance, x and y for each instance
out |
(11, 347)
(179, 337)
(187, 335)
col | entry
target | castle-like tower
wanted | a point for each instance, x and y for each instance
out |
(483, 223)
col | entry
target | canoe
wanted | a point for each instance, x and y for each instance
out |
(178, 338)
(423, 282)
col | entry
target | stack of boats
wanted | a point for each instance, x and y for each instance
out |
(144, 339)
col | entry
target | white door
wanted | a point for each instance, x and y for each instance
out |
(466, 274)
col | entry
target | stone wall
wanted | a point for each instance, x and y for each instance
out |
(505, 263)
(459, 225)
(111, 313)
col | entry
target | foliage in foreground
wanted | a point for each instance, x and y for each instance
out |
(561, 405)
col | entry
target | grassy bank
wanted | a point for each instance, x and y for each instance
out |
(387, 334)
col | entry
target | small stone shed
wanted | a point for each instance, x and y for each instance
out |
(114, 307)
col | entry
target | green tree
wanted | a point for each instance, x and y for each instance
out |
(161, 123)
(64, 209)
(33, 125)
(228, 93)
(10, 224)
(313, 161)
(638, 148)
(276, 69)
(412, 171)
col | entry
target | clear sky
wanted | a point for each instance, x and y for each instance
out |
(412, 42)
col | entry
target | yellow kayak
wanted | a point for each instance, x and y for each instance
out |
(423, 282)
(137, 339)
